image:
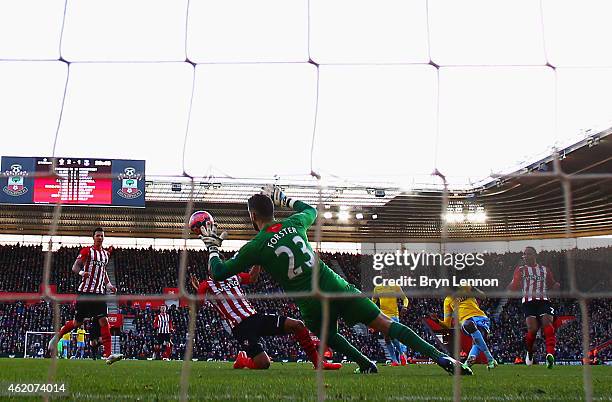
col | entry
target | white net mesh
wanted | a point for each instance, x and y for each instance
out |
(35, 344)
(339, 92)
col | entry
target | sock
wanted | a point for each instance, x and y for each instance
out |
(530, 338)
(550, 338)
(474, 351)
(482, 345)
(68, 326)
(106, 339)
(305, 341)
(409, 338)
(340, 344)
(391, 350)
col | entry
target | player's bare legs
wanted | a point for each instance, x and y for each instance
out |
(409, 338)
(261, 361)
(533, 325)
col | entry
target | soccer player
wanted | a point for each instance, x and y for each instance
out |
(473, 321)
(80, 342)
(163, 325)
(65, 345)
(248, 326)
(388, 306)
(535, 280)
(283, 250)
(90, 264)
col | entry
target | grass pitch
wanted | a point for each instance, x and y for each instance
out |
(159, 380)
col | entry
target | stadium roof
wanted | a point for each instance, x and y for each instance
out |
(369, 96)
(525, 203)
(357, 90)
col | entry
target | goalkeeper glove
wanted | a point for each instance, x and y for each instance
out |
(212, 241)
(276, 194)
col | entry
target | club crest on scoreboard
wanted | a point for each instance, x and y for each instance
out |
(15, 186)
(129, 183)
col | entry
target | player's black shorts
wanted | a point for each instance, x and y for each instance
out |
(163, 338)
(537, 308)
(250, 331)
(89, 308)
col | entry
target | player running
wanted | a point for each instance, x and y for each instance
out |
(388, 305)
(283, 250)
(535, 280)
(163, 325)
(248, 326)
(91, 266)
(473, 321)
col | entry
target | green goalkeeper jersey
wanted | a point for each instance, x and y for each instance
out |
(282, 250)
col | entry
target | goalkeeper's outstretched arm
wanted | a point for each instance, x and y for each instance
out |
(245, 258)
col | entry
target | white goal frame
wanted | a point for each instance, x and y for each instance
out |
(25, 343)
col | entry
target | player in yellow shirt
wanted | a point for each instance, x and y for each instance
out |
(472, 320)
(65, 345)
(80, 342)
(388, 305)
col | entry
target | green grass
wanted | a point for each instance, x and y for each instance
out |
(159, 380)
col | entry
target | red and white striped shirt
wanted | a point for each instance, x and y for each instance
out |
(94, 261)
(235, 308)
(162, 323)
(535, 282)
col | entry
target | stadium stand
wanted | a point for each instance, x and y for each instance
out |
(148, 271)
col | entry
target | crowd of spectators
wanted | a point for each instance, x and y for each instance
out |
(149, 271)
(21, 268)
(18, 318)
(214, 341)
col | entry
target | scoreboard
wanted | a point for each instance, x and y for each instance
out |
(76, 181)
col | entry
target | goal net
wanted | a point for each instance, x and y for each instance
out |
(36, 344)
(349, 106)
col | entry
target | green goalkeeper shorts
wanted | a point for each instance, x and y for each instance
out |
(354, 310)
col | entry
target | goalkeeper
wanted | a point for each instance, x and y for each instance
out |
(282, 249)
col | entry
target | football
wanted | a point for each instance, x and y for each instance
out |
(197, 219)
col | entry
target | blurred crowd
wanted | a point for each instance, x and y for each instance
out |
(149, 271)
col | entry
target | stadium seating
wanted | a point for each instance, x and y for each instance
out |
(148, 271)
